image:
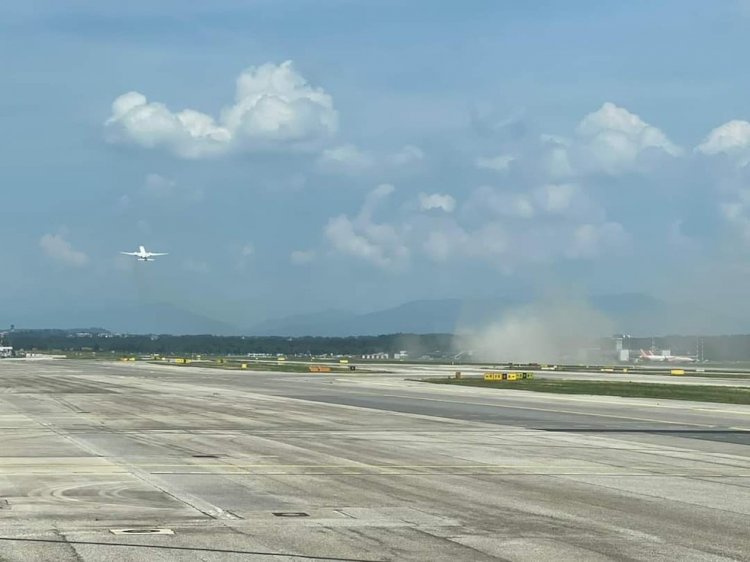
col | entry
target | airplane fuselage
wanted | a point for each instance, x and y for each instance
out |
(666, 358)
(144, 255)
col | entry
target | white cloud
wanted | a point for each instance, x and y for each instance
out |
(499, 163)
(56, 247)
(495, 226)
(409, 154)
(611, 139)
(436, 201)
(274, 107)
(732, 138)
(352, 160)
(247, 250)
(301, 257)
(380, 244)
(346, 158)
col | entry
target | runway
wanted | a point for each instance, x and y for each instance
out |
(239, 465)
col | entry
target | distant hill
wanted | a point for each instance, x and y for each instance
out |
(154, 318)
(417, 317)
(634, 313)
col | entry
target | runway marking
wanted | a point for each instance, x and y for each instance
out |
(595, 398)
(463, 473)
(500, 406)
(714, 410)
(538, 468)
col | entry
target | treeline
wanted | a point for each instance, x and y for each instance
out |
(437, 346)
(434, 345)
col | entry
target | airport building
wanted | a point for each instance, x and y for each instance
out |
(6, 351)
(622, 347)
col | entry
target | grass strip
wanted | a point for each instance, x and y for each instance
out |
(698, 393)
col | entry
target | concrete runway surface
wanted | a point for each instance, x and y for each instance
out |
(238, 465)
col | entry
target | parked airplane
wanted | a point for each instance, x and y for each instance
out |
(143, 255)
(651, 356)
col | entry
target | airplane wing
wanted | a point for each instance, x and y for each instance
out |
(157, 254)
(130, 253)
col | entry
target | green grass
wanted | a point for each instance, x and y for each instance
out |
(699, 393)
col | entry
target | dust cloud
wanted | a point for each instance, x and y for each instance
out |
(546, 332)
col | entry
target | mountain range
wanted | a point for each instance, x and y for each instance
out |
(633, 313)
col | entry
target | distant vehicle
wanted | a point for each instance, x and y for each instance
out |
(651, 356)
(143, 255)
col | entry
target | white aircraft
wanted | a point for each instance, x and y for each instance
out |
(651, 356)
(143, 255)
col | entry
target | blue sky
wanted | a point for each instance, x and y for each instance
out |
(295, 156)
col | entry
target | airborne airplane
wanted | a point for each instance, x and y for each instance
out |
(143, 255)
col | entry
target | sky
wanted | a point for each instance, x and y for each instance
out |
(296, 155)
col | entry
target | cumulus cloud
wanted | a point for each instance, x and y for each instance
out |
(612, 139)
(493, 226)
(732, 138)
(543, 224)
(57, 248)
(274, 107)
(379, 244)
(428, 202)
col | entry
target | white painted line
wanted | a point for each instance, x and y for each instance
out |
(141, 531)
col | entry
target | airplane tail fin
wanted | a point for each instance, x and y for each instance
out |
(142, 249)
